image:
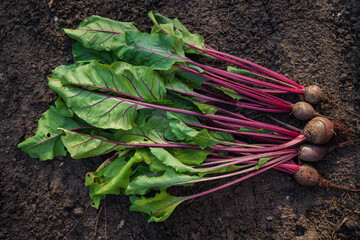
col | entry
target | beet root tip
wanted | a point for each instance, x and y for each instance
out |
(319, 130)
(303, 111)
(307, 176)
(313, 94)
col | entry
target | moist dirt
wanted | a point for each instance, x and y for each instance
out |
(308, 41)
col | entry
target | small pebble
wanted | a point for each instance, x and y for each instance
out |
(78, 211)
(121, 224)
(56, 19)
(269, 218)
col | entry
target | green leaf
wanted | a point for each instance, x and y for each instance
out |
(177, 29)
(81, 145)
(157, 51)
(261, 130)
(205, 108)
(160, 121)
(262, 161)
(118, 177)
(118, 79)
(153, 163)
(46, 143)
(181, 90)
(180, 129)
(59, 71)
(143, 184)
(221, 170)
(189, 156)
(187, 77)
(229, 92)
(98, 109)
(204, 139)
(100, 33)
(169, 160)
(158, 208)
(223, 136)
(243, 72)
(111, 178)
(139, 135)
(84, 55)
(140, 170)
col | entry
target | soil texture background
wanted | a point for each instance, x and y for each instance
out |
(308, 41)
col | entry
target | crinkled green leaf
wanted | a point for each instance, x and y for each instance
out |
(46, 143)
(189, 156)
(117, 176)
(100, 33)
(81, 145)
(169, 160)
(117, 79)
(153, 163)
(160, 121)
(203, 139)
(180, 129)
(139, 135)
(140, 170)
(157, 208)
(182, 90)
(143, 184)
(127, 43)
(59, 71)
(112, 177)
(178, 30)
(84, 55)
(157, 51)
(98, 109)
(193, 79)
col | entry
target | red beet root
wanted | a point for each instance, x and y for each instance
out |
(319, 130)
(312, 153)
(313, 94)
(307, 176)
(303, 111)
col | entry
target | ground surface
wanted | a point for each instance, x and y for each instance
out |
(309, 41)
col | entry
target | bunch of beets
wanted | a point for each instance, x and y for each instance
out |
(164, 119)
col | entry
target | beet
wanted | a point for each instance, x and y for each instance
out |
(307, 176)
(318, 130)
(312, 153)
(313, 94)
(303, 111)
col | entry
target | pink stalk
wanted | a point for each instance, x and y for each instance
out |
(253, 124)
(242, 89)
(252, 90)
(232, 103)
(250, 65)
(280, 161)
(257, 67)
(244, 159)
(227, 98)
(253, 134)
(245, 79)
(174, 145)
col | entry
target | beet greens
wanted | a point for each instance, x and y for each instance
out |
(141, 99)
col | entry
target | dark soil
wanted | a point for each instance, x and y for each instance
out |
(308, 41)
